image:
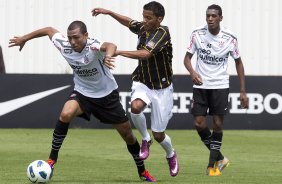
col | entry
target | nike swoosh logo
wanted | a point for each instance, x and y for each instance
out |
(11, 105)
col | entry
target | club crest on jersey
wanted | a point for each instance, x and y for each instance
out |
(150, 44)
(86, 59)
(221, 44)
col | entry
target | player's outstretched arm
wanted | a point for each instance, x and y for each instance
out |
(120, 18)
(110, 50)
(138, 54)
(21, 40)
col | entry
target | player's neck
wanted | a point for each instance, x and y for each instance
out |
(214, 31)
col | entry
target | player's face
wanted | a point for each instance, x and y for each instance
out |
(77, 39)
(151, 22)
(213, 20)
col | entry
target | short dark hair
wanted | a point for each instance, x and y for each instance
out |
(78, 24)
(215, 7)
(156, 7)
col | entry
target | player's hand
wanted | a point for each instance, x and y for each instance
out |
(196, 79)
(97, 11)
(17, 41)
(244, 101)
(108, 61)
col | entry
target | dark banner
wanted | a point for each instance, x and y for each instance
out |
(35, 101)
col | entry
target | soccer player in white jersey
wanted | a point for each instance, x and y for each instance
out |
(213, 45)
(95, 89)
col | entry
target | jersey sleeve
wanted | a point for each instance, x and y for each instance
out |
(234, 50)
(192, 43)
(135, 26)
(60, 41)
(95, 44)
(157, 41)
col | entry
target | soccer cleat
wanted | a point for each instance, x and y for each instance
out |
(145, 176)
(52, 165)
(221, 164)
(144, 151)
(213, 171)
(173, 164)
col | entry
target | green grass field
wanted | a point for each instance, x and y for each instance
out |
(100, 156)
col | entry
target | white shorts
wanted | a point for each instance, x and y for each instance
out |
(160, 101)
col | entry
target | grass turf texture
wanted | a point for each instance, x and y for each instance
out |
(100, 156)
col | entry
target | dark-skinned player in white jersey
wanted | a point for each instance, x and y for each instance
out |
(95, 89)
(152, 79)
(213, 45)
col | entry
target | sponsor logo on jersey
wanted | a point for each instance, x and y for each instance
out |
(209, 59)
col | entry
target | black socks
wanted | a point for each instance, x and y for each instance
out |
(134, 151)
(59, 134)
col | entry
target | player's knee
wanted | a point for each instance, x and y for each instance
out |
(66, 116)
(159, 136)
(137, 106)
(136, 109)
(200, 124)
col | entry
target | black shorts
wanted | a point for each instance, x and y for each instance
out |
(107, 109)
(211, 101)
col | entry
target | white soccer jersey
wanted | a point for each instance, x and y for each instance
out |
(212, 56)
(91, 77)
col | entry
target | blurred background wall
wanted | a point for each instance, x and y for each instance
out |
(255, 23)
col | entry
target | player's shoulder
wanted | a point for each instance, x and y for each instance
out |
(228, 33)
(91, 41)
(200, 30)
(59, 36)
(163, 28)
(94, 44)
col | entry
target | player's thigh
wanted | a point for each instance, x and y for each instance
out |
(200, 102)
(161, 108)
(140, 91)
(70, 110)
(218, 101)
(108, 109)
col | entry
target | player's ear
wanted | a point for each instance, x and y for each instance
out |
(221, 18)
(86, 34)
(160, 19)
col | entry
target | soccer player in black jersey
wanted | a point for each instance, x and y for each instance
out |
(152, 79)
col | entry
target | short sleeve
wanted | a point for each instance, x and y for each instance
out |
(60, 41)
(95, 44)
(234, 50)
(192, 44)
(135, 26)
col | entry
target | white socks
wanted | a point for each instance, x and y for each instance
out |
(139, 121)
(167, 146)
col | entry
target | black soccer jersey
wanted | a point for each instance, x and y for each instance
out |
(155, 72)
